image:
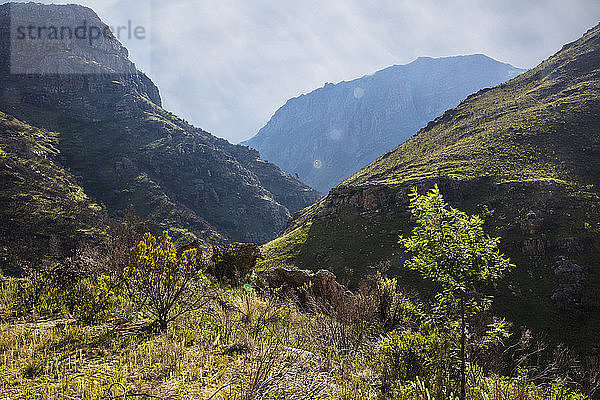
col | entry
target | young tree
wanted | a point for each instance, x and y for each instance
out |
(450, 248)
(162, 282)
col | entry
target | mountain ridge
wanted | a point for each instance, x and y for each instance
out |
(328, 134)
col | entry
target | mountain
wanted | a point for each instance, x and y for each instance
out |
(42, 207)
(327, 135)
(529, 150)
(111, 133)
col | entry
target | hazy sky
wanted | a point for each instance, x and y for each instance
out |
(227, 65)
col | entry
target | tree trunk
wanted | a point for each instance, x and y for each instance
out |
(162, 321)
(462, 349)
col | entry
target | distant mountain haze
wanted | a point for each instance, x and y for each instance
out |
(330, 133)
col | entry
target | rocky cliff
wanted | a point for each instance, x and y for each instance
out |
(327, 135)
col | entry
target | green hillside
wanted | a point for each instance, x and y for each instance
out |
(529, 150)
(44, 212)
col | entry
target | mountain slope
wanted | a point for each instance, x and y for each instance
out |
(327, 135)
(127, 150)
(43, 210)
(542, 124)
(528, 149)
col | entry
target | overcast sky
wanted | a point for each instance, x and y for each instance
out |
(227, 65)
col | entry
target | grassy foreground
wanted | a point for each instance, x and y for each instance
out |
(242, 345)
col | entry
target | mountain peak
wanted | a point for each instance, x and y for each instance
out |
(328, 134)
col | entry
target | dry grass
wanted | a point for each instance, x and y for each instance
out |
(242, 346)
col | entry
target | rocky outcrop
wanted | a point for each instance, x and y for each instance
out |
(373, 198)
(302, 285)
(366, 197)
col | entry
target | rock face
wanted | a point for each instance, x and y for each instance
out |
(526, 149)
(128, 151)
(327, 135)
(302, 283)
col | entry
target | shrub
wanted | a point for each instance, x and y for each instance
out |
(395, 309)
(9, 292)
(42, 291)
(90, 299)
(163, 283)
(68, 287)
(403, 357)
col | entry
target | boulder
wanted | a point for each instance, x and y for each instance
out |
(303, 284)
(229, 263)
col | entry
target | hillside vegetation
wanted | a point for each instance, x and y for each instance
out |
(88, 328)
(44, 212)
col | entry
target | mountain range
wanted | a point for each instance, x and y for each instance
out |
(330, 133)
(90, 118)
(529, 150)
(84, 138)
